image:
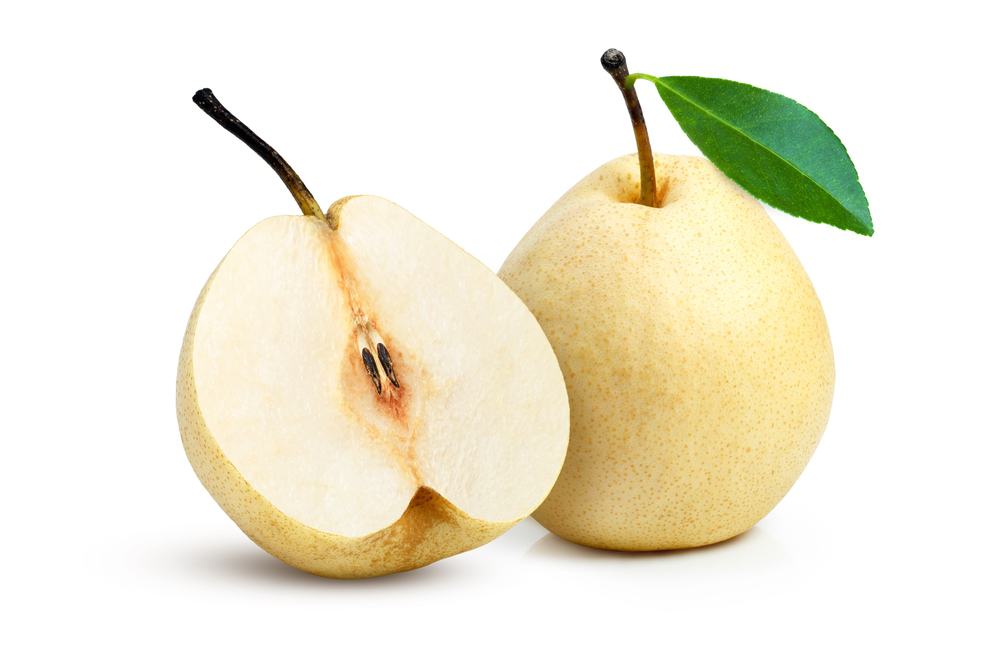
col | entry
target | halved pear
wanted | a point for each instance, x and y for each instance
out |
(363, 397)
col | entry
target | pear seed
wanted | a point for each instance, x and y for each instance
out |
(369, 360)
(386, 361)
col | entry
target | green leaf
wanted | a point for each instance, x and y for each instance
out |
(778, 150)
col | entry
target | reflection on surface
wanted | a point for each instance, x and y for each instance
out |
(245, 563)
(754, 549)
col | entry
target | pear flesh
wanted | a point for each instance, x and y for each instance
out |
(368, 398)
(695, 352)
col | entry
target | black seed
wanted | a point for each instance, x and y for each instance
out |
(383, 356)
(366, 356)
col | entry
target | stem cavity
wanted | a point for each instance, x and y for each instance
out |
(208, 103)
(614, 64)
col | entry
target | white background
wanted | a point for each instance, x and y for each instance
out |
(119, 197)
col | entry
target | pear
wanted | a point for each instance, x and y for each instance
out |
(695, 352)
(360, 395)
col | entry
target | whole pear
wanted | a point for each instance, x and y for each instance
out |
(695, 352)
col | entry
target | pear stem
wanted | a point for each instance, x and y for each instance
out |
(614, 64)
(208, 103)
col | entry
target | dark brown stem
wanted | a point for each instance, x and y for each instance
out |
(613, 62)
(208, 103)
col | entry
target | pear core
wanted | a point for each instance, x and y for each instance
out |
(695, 352)
(335, 381)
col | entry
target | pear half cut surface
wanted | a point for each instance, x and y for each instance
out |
(363, 397)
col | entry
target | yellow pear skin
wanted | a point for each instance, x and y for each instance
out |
(695, 353)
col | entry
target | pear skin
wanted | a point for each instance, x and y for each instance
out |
(695, 352)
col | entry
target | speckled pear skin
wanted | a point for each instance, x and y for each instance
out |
(430, 529)
(695, 352)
